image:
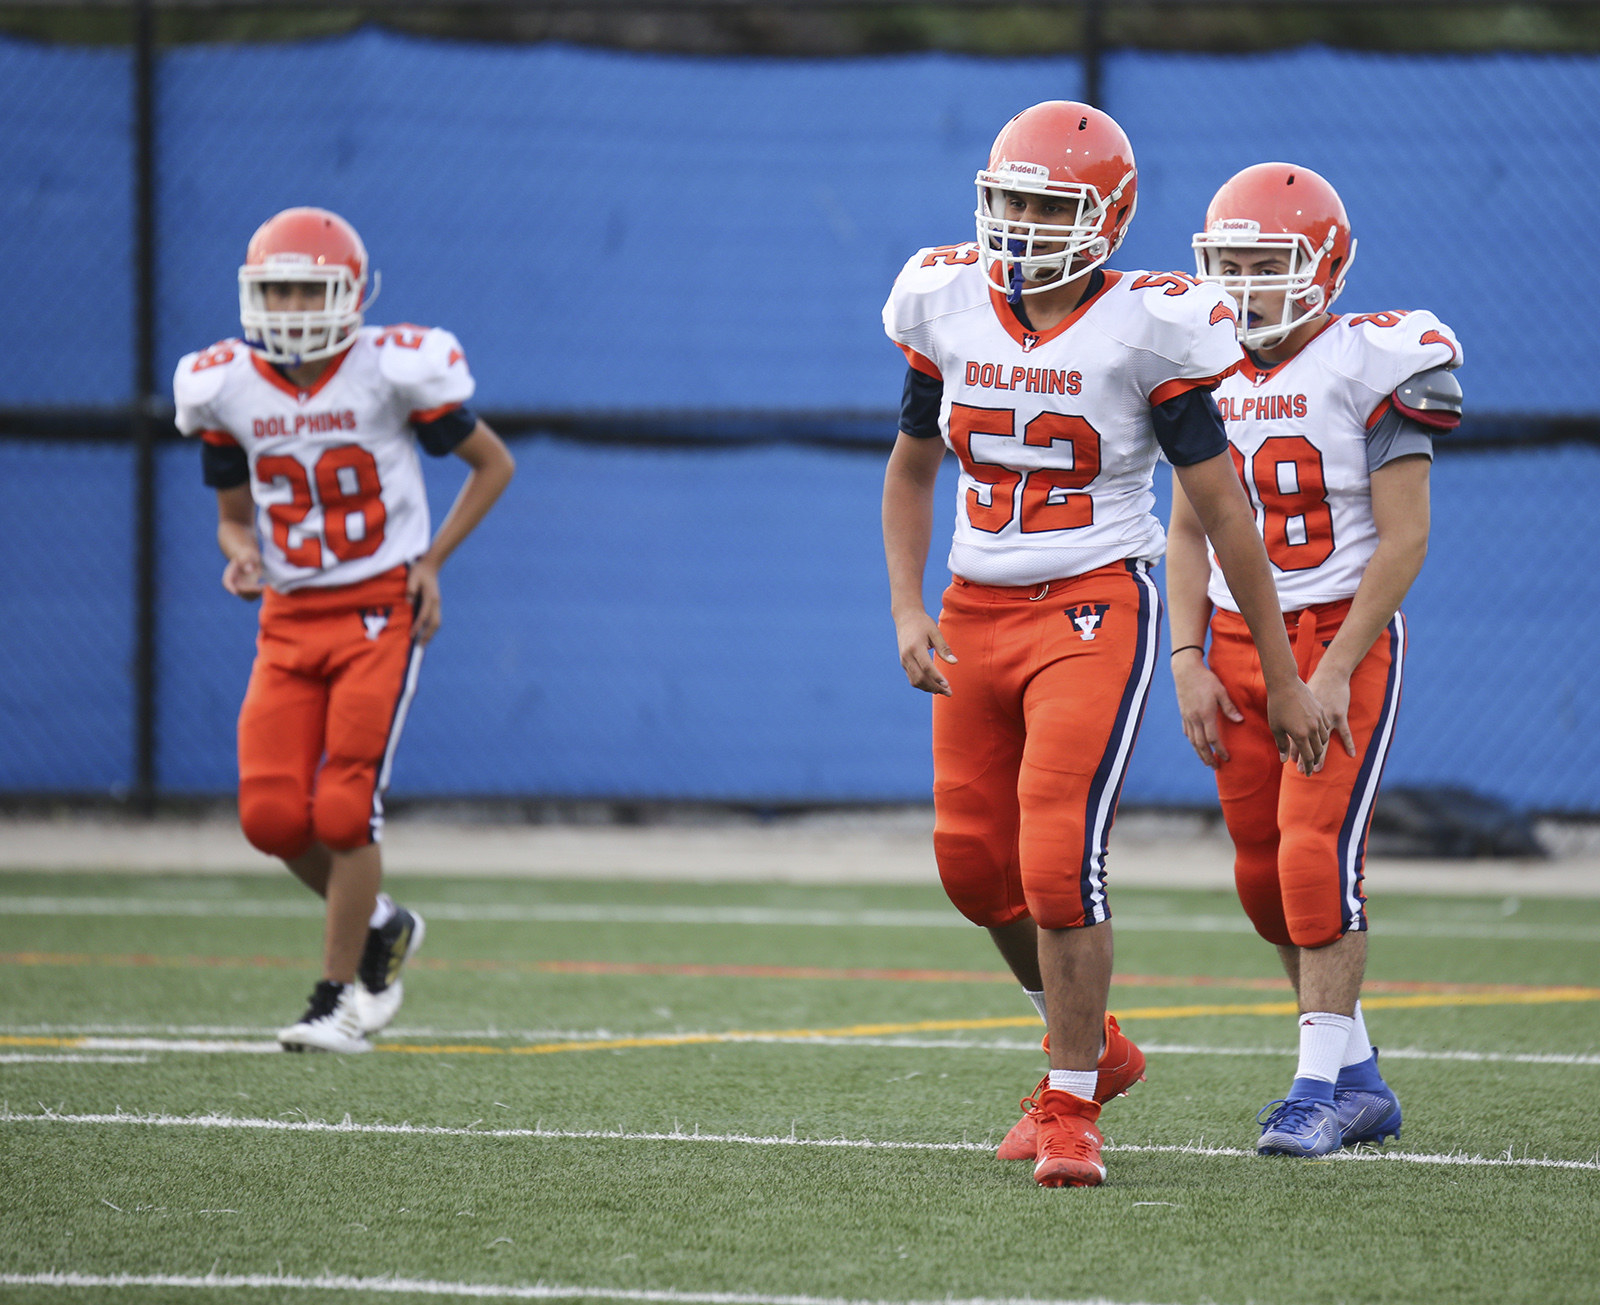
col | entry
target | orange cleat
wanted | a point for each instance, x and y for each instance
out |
(1069, 1142)
(1121, 1066)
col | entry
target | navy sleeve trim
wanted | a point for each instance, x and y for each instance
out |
(224, 466)
(445, 432)
(1189, 428)
(919, 405)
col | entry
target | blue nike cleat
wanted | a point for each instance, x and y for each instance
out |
(1299, 1126)
(1367, 1107)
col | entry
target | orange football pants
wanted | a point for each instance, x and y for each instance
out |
(1300, 841)
(334, 674)
(1030, 751)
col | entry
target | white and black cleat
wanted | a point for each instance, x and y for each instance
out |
(388, 949)
(331, 1022)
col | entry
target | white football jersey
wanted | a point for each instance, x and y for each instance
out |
(1053, 429)
(334, 470)
(1299, 437)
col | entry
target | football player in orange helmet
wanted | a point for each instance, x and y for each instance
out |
(1086, 196)
(1287, 264)
(1330, 421)
(1058, 383)
(303, 288)
(310, 427)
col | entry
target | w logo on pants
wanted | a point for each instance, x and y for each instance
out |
(1087, 618)
(374, 618)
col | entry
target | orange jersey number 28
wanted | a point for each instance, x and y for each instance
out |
(347, 487)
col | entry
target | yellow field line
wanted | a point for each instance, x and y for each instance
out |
(1421, 1000)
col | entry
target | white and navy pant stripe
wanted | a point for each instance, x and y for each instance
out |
(1105, 790)
(397, 722)
(1357, 818)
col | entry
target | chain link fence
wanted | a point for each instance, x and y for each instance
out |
(661, 267)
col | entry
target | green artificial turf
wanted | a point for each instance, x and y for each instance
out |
(193, 961)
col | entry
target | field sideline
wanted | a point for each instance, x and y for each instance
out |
(770, 1074)
(1149, 849)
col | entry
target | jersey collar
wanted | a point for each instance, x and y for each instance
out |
(1254, 371)
(1031, 339)
(273, 376)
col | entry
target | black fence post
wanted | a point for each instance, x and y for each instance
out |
(144, 409)
(1093, 52)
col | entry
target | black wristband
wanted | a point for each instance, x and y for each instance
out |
(1199, 648)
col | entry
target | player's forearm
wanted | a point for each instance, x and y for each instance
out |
(492, 468)
(908, 488)
(907, 533)
(482, 488)
(1384, 585)
(1244, 564)
(236, 522)
(1217, 497)
(1400, 512)
(1188, 571)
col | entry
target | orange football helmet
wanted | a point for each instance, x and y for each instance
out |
(1278, 206)
(1066, 150)
(304, 245)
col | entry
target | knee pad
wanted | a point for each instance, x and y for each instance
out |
(977, 878)
(1314, 934)
(1313, 889)
(275, 815)
(1058, 905)
(342, 809)
(1255, 879)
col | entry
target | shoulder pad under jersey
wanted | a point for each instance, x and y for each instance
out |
(1395, 345)
(1432, 397)
(199, 379)
(426, 364)
(1193, 326)
(916, 295)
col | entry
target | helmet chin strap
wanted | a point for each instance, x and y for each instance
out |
(1027, 269)
(1015, 247)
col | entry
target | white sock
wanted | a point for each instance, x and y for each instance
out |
(1037, 998)
(382, 911)
(1323, 1038)
(1358, 1048)
(1079, 1082)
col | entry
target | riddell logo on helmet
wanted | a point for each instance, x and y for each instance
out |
(1237, 226)
(1024, 169)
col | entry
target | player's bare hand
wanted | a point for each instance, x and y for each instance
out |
(1333, 692)
(422, 588)
(242, 576)
(920, 643)
(1300, 726)
(1202, 701)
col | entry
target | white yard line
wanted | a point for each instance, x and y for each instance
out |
(202, 1039)
(605, 913)
(1507, 1161)
(473, 1290)
(31, 1058)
